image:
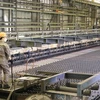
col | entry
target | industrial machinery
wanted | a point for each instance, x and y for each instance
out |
(68, 86)
(56, 45)
(54, 85)
(62, 86)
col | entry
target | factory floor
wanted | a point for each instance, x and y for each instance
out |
(54, 60)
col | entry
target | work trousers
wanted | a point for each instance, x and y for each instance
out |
(5, 69)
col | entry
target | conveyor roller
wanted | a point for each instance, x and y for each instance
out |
(67, 89)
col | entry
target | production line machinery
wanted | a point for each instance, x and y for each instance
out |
(62, 86)
(50, 85)
(19, 54)
(72, 86)
(58, 42)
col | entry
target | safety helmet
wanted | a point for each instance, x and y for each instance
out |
(2, 34)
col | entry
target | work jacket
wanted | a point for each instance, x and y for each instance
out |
(4, 53)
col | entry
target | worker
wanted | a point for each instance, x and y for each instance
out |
(4, 57)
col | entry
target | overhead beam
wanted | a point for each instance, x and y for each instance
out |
(88, 2)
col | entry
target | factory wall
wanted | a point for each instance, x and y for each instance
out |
(46, 15)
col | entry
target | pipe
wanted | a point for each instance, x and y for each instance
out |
(66, 89)
(28, 62)
(95, 87)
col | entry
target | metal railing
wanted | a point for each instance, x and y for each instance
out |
(42, 34)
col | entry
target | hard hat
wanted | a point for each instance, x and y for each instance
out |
(3, 34)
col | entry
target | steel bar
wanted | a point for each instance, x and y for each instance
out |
(61, 92)
(8, 3)
(12, 8)
(27, 10)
